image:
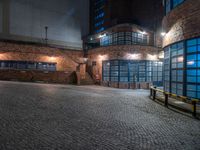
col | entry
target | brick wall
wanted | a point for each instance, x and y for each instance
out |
(66, 61)
(182, 22)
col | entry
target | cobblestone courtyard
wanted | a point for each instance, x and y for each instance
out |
(42, 116)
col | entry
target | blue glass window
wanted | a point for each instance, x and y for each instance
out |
(177, 2)
(99, 23)
(121, 38)
(171, 4)
(168, 6)
(193, 67)
(176, 56)
(100, 30)
(100, 15)
(26, 65)
(133, 71)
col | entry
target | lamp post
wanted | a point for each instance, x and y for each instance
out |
(46, 34)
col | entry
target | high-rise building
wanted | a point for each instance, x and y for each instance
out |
(107, 13)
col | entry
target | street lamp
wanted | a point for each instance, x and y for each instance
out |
(46, 32)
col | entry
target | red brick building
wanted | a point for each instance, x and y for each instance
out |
(181, 44)
(125, 56)
(34, 62)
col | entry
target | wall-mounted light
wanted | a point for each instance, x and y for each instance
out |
(102, 57)
(144, 32)
(133, 56)
(85, 59)
(102, 35)
(1, 55)
(163, 34)
(161, 55)
(152, 57)
(52, 58)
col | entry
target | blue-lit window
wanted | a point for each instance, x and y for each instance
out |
(104, 41)
(142, 71)
(177, 88)
(193, 91)
(100, 30)
(193, 67)
(174, 68)
(99, 23)
(171, 4)
(106, 71)
(193, 45)
(177, 2)
(167, 6)
(184, 61)
(167, 69)
(133, 71)
(121, 38)
(124, 72)
(114, 70)
(177, 67)
(26, 65)
(101, 15)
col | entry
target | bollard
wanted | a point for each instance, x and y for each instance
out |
(166, 100)
(151, 93)
(154, 94)
(194, 113)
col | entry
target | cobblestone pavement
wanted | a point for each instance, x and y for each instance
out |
(53, 117)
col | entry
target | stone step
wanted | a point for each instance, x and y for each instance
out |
(87, 81)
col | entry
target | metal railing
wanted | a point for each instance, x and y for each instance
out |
(167, 95)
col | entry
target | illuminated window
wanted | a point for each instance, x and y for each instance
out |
(26, 65)
(171, 4)
(182, 68)
(131, 71)
(121, 38)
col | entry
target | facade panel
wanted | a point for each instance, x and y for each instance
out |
(64, 19)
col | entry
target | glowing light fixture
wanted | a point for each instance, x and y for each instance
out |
(163, 33)
(52, 58)
(85, 59)
(152, 57)
(180, 59)
(1, 55)
(103, 57)
(190, 62)
(133, 56)
(161, 55)
(102, 35)
(143, 32)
